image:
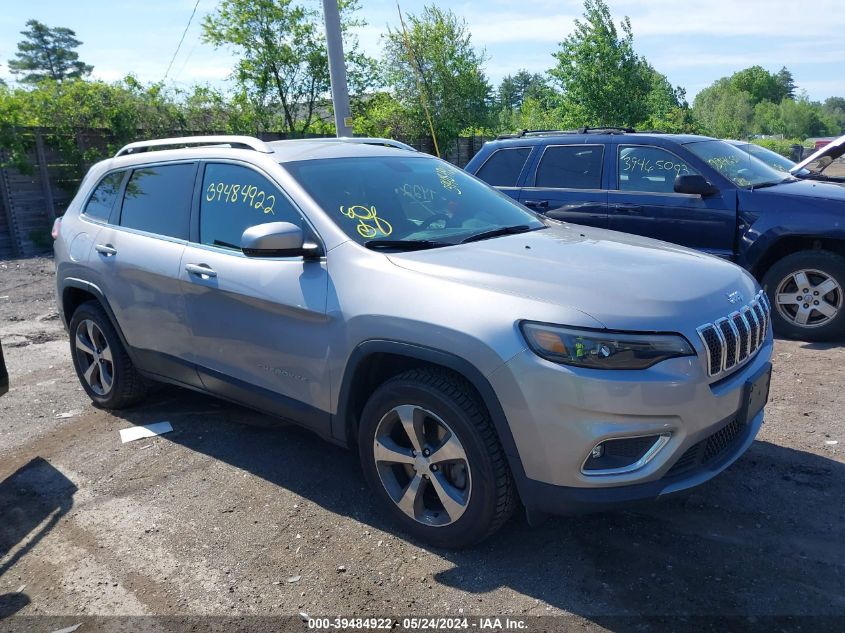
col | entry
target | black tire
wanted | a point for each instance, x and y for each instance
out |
(493, 494)
(826, 263)
(127, 387)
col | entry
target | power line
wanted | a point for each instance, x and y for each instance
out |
(184, 33)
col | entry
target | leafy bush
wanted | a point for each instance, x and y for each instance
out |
(781, 146)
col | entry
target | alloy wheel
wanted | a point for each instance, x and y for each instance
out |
(94, 357)
(422, 465)
(808, 298)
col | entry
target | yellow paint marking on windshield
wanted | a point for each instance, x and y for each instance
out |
(447, 181)
(249, 195)
(364, 215)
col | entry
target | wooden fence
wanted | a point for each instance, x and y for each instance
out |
(30, 202)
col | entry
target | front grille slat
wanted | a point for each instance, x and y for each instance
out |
(733, 340)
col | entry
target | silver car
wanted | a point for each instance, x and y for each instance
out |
(478, 356)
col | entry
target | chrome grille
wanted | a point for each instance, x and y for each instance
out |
(735, 339)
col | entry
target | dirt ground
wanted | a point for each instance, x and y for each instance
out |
(234, 514)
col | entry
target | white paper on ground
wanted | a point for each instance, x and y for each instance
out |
(147, 430)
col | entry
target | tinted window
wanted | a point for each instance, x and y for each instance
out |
(102, 200)
(406, 198)
(650, 169)
(235, 198)
(158, 200)
(571, 167)
(502, 169)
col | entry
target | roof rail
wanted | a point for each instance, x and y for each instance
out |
(237, 142)
(523, 133)
(609, 129)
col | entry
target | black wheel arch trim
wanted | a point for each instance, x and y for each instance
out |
(93, 289)
(344, 426)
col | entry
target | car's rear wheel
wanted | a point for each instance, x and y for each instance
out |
(433, 459)
(104, 368)
(807, 294)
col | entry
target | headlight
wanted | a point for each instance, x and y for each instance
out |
(603, 350)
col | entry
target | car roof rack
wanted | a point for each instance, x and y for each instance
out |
(581, 130)
(523, 133)
(609, 129)
(235, 142)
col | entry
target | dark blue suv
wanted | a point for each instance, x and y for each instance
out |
(691, 190)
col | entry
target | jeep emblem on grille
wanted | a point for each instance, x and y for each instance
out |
(735, 297)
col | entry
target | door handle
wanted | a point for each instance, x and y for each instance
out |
(201, 270)
(537, 204)
(106, 249)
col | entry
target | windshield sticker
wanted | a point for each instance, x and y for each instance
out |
(365, 216)
(249, 195)
(447, 181)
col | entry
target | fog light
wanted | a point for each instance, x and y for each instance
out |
(622, 455)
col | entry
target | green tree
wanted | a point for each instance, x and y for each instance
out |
(442, 70)
(761, 85)
(786, 82)
(514, 89)
(48, 53)
(802, 118)
(834, 108)
(603, 80)
(283, 63)
(724, 111)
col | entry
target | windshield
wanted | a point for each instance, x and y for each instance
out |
(407, 198)
(738, 166)
(772, 159)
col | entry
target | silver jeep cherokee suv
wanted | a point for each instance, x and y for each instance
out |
(476, 354)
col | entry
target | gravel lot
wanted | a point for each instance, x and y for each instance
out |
(234, 514)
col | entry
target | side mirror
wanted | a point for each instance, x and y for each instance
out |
(277, 239)
(694, 184)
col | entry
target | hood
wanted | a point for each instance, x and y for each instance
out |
(819, 160)
(624, 281)
(818, 189)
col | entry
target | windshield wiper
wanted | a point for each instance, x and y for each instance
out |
(504, 230)
(404, 245)
(772, 183)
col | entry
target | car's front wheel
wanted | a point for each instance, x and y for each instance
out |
(433, 459)
(101, 362)
(805, 290)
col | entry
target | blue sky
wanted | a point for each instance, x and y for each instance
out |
(692, 43)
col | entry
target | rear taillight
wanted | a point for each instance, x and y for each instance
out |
(56, 226)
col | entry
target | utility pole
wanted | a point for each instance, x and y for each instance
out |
(337, 69)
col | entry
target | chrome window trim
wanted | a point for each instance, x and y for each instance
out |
(649, 455)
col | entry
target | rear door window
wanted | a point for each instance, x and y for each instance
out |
(102, 199)
(503, 168)
(235, 198)
(570, 167)
(158, 200)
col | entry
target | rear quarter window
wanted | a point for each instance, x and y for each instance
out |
(158, 200)
(504, 166)
(102, 199)
(570, 167)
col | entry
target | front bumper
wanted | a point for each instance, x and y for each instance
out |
(557, 414)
